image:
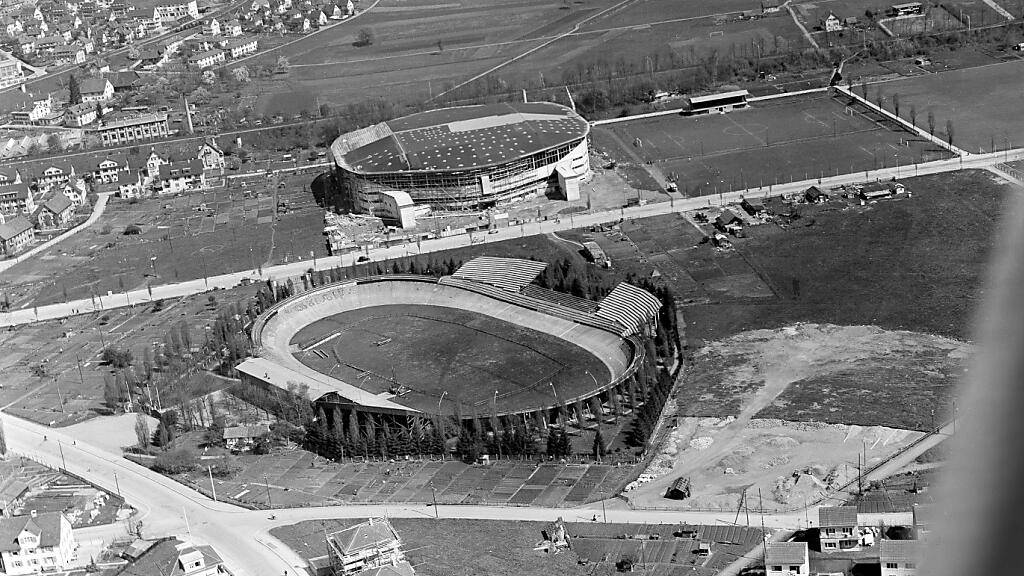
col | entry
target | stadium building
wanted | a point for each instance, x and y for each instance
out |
(362, 362)
(465, 157)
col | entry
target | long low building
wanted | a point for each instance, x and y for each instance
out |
(135, 129)
(469, 156)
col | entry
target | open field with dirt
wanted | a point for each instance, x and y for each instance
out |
(300, 478)
(496, 548)
(769, 143)
(185, 237)
(983, 104)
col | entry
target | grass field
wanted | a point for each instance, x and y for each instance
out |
(500, 548)
(982, 103)
(240, 228)
(769, 143)
(478, 360)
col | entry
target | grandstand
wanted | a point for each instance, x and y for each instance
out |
(465, 157)
(386, 345)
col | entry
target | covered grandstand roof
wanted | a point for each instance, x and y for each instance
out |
(511, 274)
(630, 306)
(462, 138)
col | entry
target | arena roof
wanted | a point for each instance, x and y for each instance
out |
(462, 138)
(630, 306)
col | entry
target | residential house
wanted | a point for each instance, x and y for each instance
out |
(831, 23)
(96, 90)
(30, 544)
(399, 569)
(923, 514)
(770, 6)
(15, 233)
(76, 190)
(48, 44)
(12, 25)
(727, 221)
(317, 17)
(371, 544)
(207, 59)
(211, 156)
(176, 177)
(10, 70)
(79, 115)
(9, 176)
(133, 129)
(53, 174)
(907, 9)
(39, 108)
(110, 169)
(899, 557)
(27, 44)
(57, 212)
(211, 27)
(171, 12)
(878, 190)
(127, 187)
(239, 47)
(173, 557)
(837, 527)
(242, 438)
(17, 199)
(786, 559)
(64, 55)
(232, 28)
(125, 81)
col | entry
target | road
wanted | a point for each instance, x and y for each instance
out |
(242, 536)
(292, 269)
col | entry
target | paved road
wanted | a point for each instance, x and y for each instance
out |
(97, 211)
(61, 310)
(242, 537)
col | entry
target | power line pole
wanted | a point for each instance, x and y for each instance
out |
(213, 488)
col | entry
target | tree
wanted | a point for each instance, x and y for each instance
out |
(282, 64)
(599, 449)
(931, 122)
(3, 440)
(53, 143)
(365, 37)
(896, 103)
(116, 357)
(74, 90)
(949, 132)
(111, 391)
(241, 74)
(913, 115)
(176, 461)
(142, 433)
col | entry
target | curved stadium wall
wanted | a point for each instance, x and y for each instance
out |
(534, 171)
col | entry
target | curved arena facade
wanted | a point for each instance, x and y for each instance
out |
(465, 157)
(498, 347)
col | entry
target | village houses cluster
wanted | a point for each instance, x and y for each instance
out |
(45, 197)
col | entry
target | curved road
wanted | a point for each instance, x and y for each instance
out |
(242, 536)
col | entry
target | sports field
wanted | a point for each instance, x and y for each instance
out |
(431, 350)
(768, 143)
(983, 104)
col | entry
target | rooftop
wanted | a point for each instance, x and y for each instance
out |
(8, 230)
(256, 431)
(59, 203)
(837, 516)
(462, 138)
(791, 553)
(899, 550)
(163, 558)
(134, 120)
(45, 526)
(369, 534)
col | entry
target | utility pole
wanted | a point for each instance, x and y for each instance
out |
(213, 489)
(266, 483)
(433, 493)
(117, 486)
(63, 463)
(60, 398)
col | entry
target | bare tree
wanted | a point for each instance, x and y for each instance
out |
(931, 122)
(949, 132)
(913, 115)
(896, 103)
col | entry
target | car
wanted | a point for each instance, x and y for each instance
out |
(363, 259)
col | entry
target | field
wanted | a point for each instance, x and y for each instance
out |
(769, 143)
(299, 478)
(981, 103)
(185, 237)
(500, 548)
(481, 362)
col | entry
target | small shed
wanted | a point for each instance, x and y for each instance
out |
(814, 195)
(728, 222)
(754, 207)
(679, 489)
(244, 437)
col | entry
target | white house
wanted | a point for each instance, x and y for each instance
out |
(231, 28)
(32, 544)
(173, 11)
(96, 90)
(899, 557)
(172, 557)
(838, 529)
(30, 115)
(239, 47)
(207, 59)
(244, 437)
(178, 177)
(786, 559)
(832, 23)
(211, 156)
(211, 27)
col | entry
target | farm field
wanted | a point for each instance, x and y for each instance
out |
(481, 362)
(185, 237)
(446, 546)
(982, 103)
(299, 478)
(768, 143)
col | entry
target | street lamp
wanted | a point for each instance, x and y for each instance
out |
(441, 399)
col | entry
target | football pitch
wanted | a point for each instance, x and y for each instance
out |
(771, 142)
(421, 353)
